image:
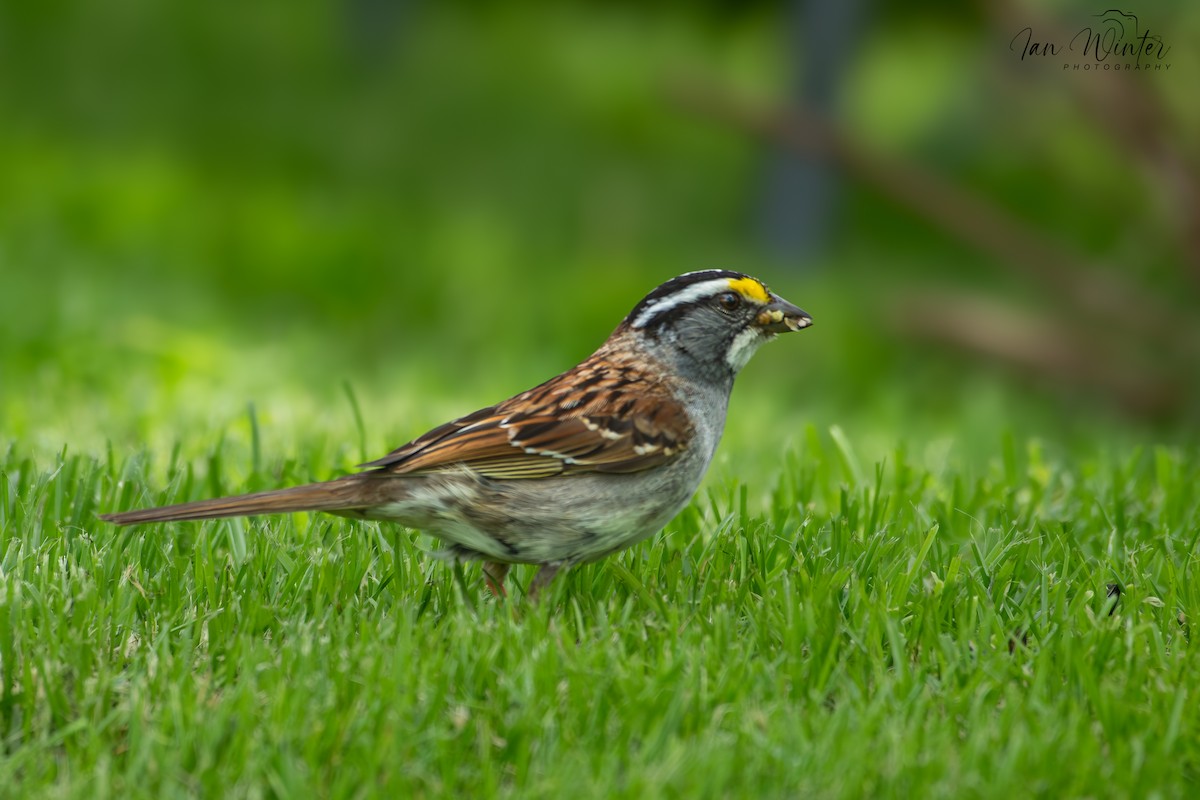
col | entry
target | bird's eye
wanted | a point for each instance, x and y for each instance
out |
(729, 301)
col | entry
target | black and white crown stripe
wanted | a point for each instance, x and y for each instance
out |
(681, 291)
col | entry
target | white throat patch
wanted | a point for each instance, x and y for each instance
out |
(743, 347)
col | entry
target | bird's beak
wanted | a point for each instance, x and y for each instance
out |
(780, 316)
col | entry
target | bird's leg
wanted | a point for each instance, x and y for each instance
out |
(494, 574)
(542, 579)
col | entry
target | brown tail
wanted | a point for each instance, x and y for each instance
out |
(336, 495)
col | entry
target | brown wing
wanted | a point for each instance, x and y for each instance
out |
(603, 416)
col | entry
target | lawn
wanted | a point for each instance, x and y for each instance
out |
(838, 629)
(907, 574)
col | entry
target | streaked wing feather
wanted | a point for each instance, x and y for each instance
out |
(519, 467)
(603, 416)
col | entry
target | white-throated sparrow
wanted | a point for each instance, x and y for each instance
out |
(587, 463)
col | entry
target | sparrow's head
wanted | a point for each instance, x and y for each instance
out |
(716, 318)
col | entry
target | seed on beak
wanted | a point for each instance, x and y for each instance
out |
(796, 323)
(771, 316)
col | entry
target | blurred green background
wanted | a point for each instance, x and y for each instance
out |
(205, 206)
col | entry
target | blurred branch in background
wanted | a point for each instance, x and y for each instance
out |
(1102, 331)
(800, 192)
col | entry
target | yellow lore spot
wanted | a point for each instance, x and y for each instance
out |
(750, 289)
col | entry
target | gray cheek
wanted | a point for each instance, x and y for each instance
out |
(705, 335)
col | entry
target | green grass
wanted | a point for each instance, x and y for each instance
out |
(841, 630)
